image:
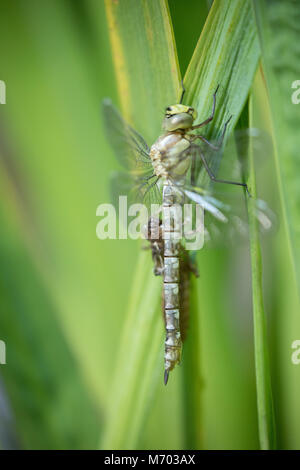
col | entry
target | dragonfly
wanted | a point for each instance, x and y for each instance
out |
(167, 174)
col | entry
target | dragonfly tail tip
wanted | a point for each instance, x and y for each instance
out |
(166, 377)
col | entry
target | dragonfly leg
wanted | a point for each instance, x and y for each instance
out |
(217, 180)
(210, 118)
(220, 141)
(182, 93)
(214, 147)
(157, 257)
(158, 271)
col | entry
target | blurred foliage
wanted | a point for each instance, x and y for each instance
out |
(66, 315)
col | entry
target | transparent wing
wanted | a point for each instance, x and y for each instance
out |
(138, 189)
(226, 163)
(139, 182)
(226, 219)
(129, 147)
(236, 230)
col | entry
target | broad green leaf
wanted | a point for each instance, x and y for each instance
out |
(227, 53)
(148, 79)
(218, 48)
(145, 61)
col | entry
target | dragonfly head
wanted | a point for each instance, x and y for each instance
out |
(178, 117)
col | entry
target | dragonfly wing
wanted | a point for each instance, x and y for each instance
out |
(129, 147)
(139, 182)
(229, 161)
(208, 205)
(139, 188)
(226, 219)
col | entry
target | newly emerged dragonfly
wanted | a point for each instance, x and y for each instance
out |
(168, 174)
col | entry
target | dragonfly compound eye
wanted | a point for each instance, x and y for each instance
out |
(193, 113)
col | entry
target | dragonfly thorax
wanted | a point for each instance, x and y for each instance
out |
(169, 156)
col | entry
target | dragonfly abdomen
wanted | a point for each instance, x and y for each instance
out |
(173, 343)
(184, 297)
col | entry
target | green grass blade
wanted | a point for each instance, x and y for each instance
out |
(265, 409)
(227, 53)
(141, 29)
(266, 420)
(145, 86)
(278, 28)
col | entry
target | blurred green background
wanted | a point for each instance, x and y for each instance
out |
(64, 293)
